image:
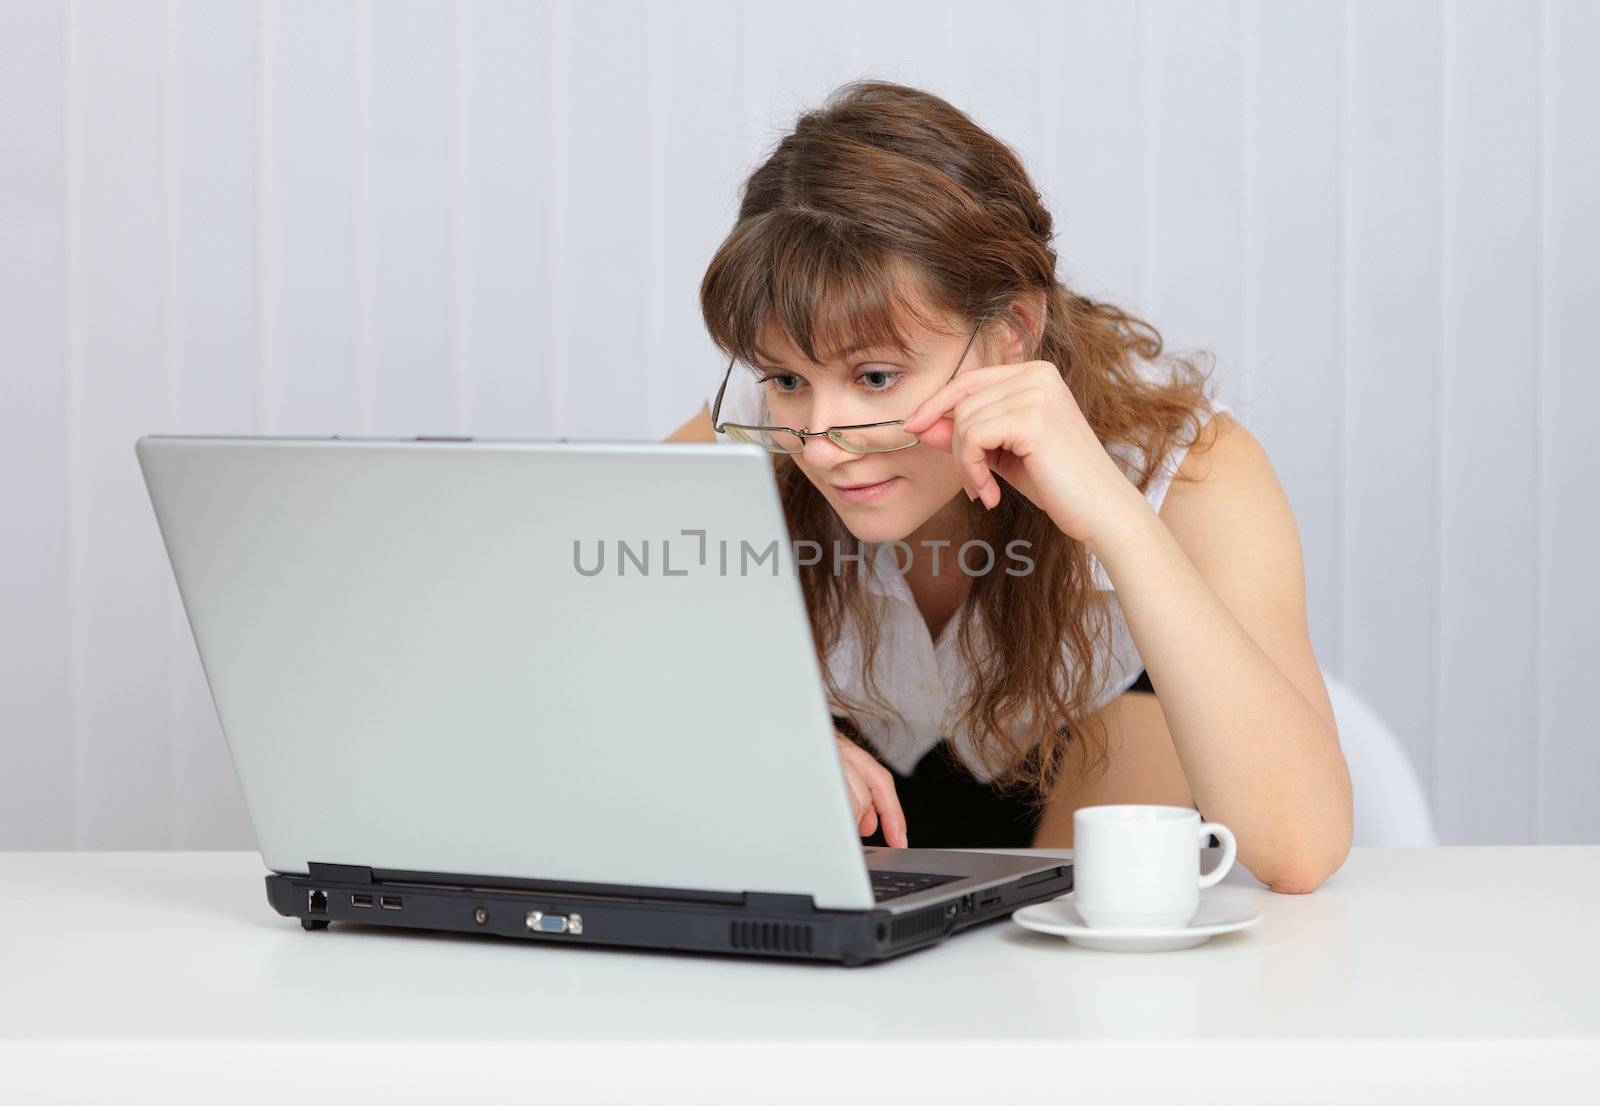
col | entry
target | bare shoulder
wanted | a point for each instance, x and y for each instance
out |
(1224, 454)
(697, 429)
(1226, 499)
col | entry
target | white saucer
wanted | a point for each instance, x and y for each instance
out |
(1061, 917)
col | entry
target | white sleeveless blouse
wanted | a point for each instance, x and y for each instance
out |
(919, 676)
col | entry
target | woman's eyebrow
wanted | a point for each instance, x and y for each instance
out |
(859, 347)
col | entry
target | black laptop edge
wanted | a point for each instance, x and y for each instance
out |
(750, 923)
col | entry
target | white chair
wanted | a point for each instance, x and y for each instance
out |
(1389, 803)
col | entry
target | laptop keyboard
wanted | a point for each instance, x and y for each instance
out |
(891, 885)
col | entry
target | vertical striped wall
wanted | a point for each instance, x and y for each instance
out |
(490, 217)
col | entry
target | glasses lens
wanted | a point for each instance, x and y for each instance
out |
(773, 441)
(873, 439)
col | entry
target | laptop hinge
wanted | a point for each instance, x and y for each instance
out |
(772, 903)
(339, 873)
(765, 901)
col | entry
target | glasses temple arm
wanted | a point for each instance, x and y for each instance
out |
(716, 406)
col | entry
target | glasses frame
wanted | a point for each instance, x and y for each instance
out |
(831, 431)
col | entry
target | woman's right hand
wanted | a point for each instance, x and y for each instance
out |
(871, 793)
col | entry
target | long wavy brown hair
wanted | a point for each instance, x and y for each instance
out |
(881, 204)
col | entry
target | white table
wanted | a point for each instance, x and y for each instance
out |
(1413, 975)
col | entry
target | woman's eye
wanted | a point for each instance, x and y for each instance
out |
(874, 380)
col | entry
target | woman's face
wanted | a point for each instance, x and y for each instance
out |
(879, 496)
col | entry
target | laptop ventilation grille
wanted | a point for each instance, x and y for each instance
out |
(772, 937)
(918, 926)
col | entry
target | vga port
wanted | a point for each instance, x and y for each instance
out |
(540, 922)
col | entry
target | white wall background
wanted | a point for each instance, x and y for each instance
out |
(491, 217)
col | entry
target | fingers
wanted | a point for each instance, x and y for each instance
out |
(872, 794)
(941, 435)
(940, 420)
(972, 456)
(981, 426)
(860, 800)
(881, 784)
(868, 824)
(965, 383)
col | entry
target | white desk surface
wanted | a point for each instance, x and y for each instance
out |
(1448, 974)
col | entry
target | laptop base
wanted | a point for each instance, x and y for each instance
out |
(750, 923)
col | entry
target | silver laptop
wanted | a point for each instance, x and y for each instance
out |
(550, 691)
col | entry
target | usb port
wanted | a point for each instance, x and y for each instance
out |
(389, 902)
(361, 900)
(986, 903)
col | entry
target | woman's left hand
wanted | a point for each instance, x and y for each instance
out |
(1022, 423)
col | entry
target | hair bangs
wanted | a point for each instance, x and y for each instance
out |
(828, 291)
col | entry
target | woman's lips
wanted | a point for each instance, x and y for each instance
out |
(868, 492)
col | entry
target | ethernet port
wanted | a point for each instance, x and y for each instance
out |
(317, 901)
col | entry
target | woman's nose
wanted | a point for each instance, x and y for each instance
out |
(840, 410)
(821, 451)
(829, 411)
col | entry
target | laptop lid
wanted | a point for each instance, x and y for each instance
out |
(585, 662)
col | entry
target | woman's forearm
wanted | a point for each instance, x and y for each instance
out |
(1258, 757)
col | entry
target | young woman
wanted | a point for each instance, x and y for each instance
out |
(1055, 573)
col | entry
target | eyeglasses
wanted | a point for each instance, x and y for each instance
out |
(862, 437)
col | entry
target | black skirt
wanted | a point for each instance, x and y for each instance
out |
(946, 807)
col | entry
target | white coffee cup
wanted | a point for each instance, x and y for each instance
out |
(1138, 866)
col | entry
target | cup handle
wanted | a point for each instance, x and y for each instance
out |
(1230, 850)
